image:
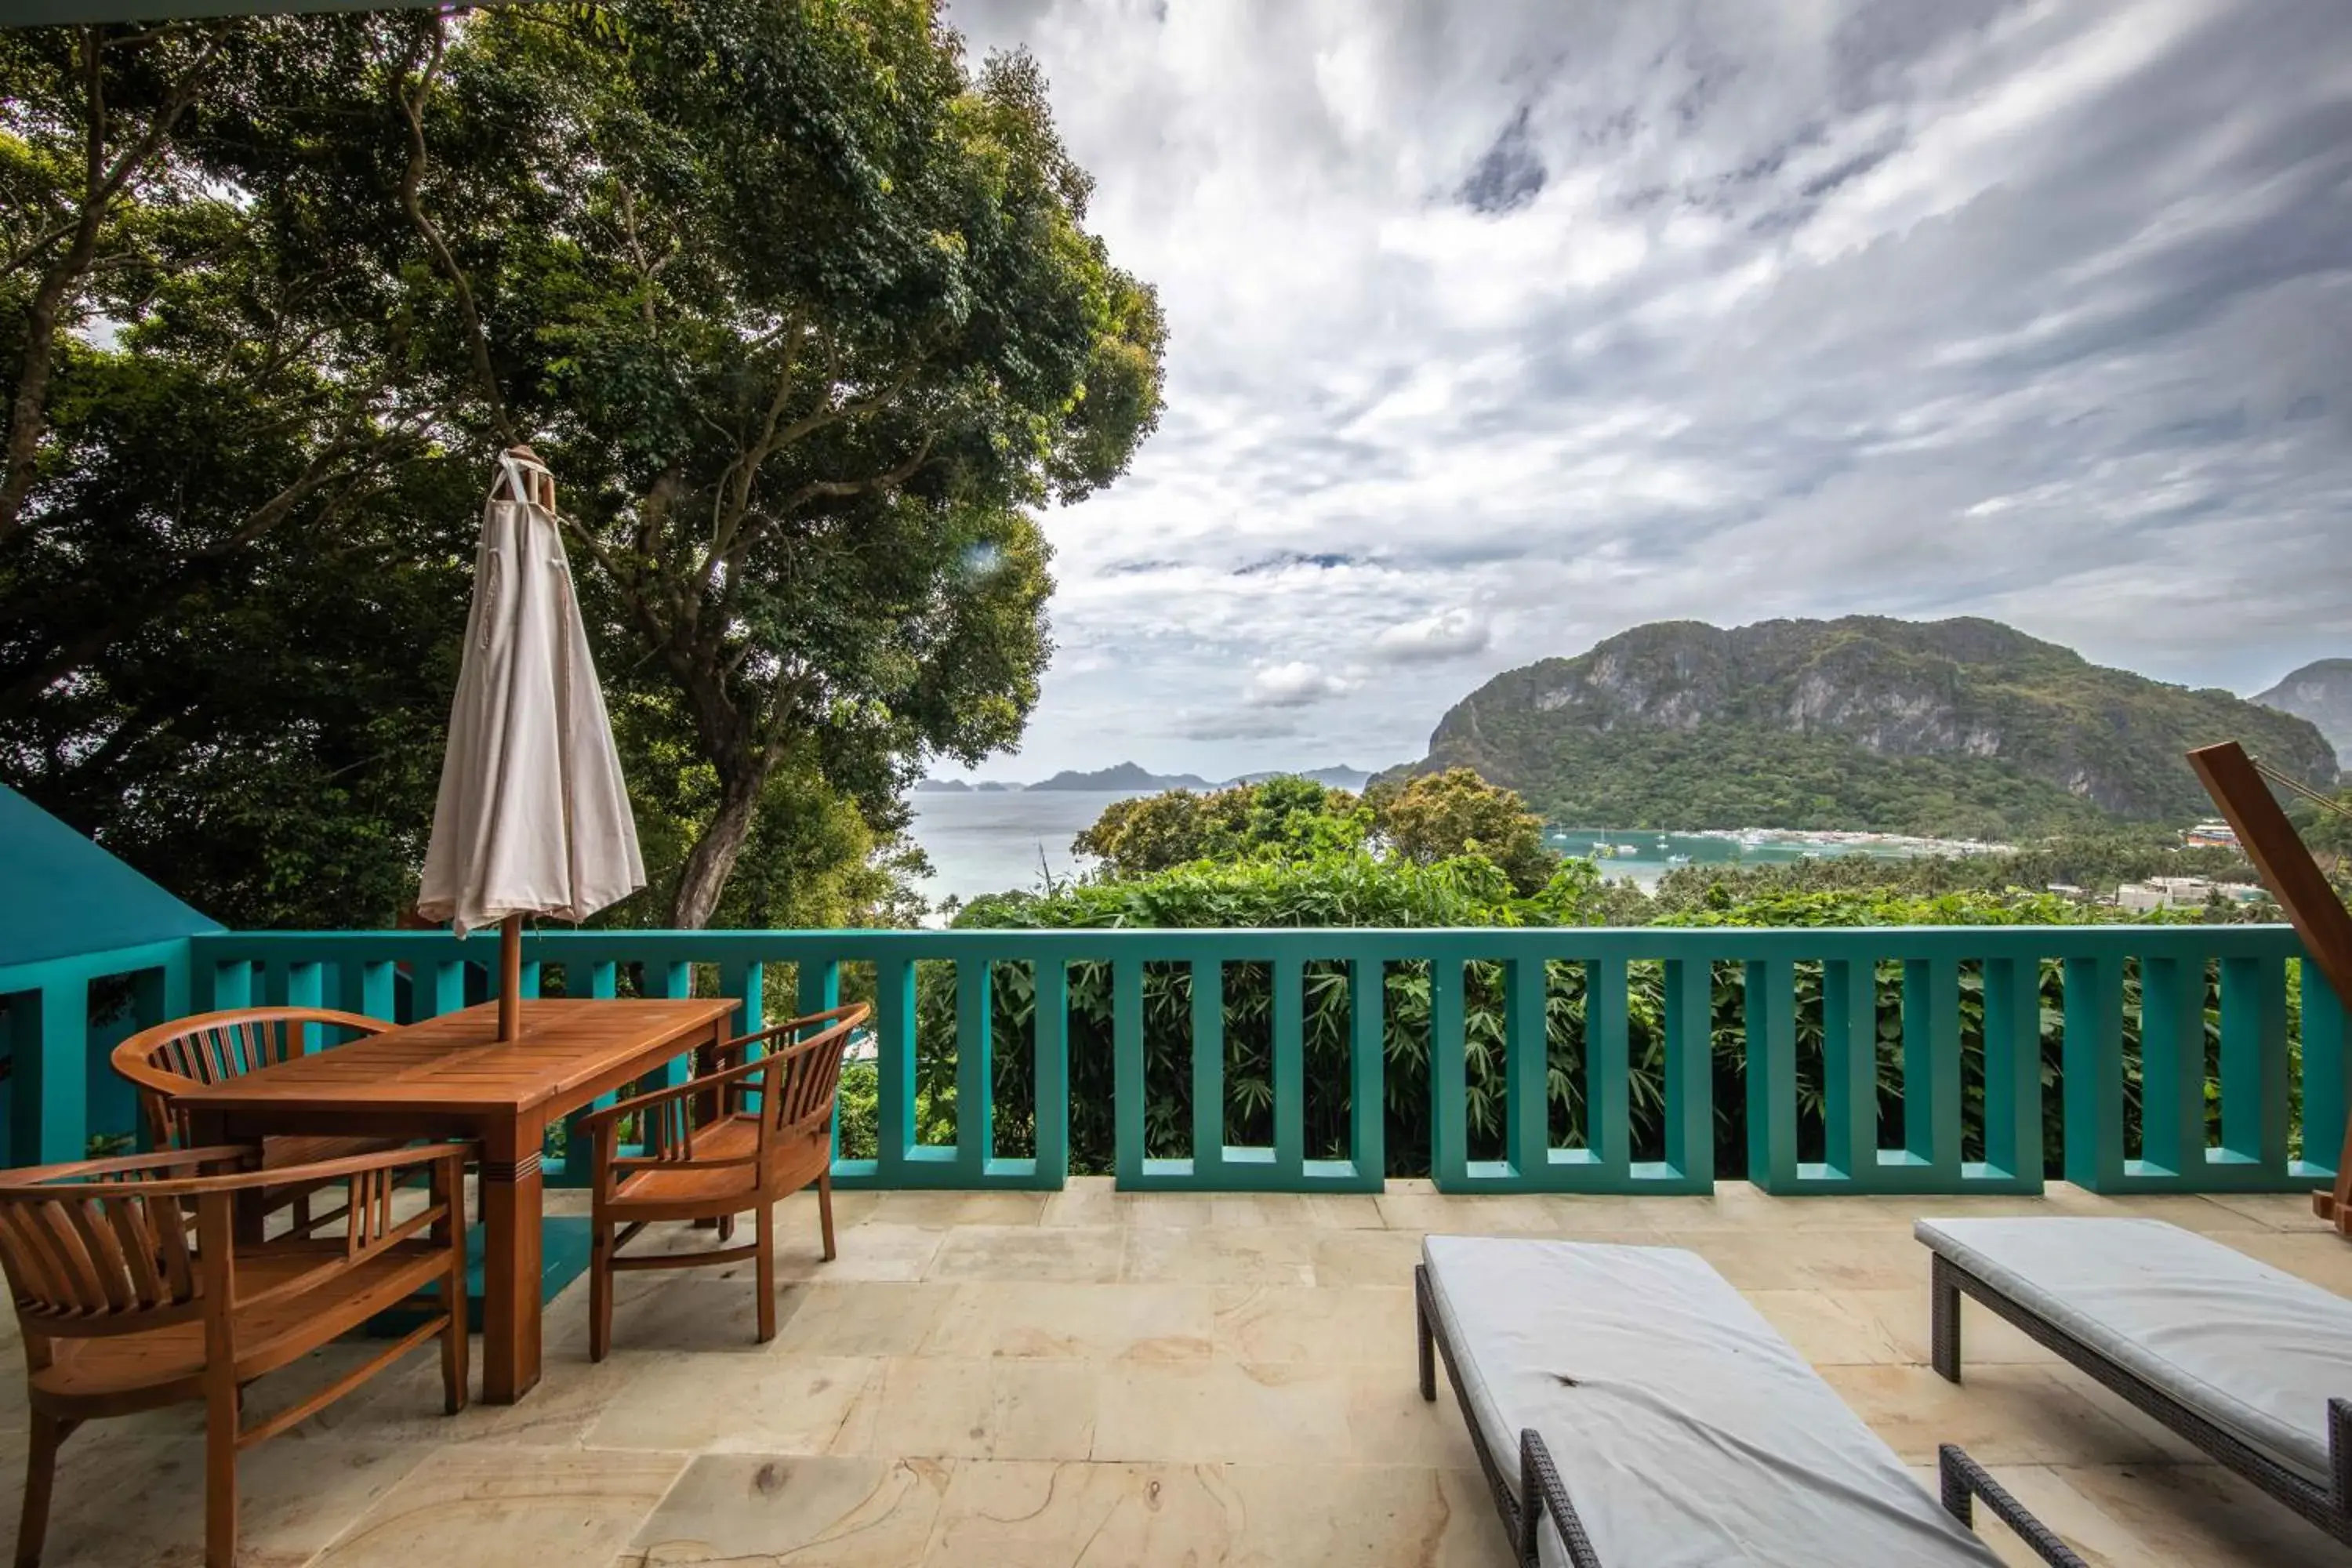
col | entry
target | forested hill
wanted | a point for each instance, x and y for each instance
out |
(1957, 727)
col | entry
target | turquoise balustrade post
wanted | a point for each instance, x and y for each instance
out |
(159, 995)
(672, 981)
(48, 1111)
(1771, 1075)
(1689, 1026)
(224, 985)
(2253, 1082)
(2012, 1073)
(2326, 1073)
(2092, 1072)
(975, 1119)
(445, 988)
(1850, 1067)
(575, 1169)
(1290, 1049)
(894, 1061)
(1126, 1070)
(1051, 981)
(2171, 1067)
(1608, 1067)
(306, 986)
(368, 987)
(1449, 1078)
(1208, 1036)
(744, 981)
(1368, 1077)
(1527, 1078)
(1931, 1065)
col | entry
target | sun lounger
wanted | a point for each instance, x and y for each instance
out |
(1632, 1410)
(2246, 1361)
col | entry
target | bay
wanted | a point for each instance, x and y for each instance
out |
(991, 841)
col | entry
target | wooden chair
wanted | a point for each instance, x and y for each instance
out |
(121, 1314)
(745, 1136)
(164, 1062)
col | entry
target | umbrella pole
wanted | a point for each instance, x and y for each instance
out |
(510, 977)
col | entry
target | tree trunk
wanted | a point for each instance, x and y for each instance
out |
(712, 860)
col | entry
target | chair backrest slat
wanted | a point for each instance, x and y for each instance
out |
(810, 1072)
(135, 1240)
(25, 1245)
(89, 1249)
(93, 1227)
(167, 1060)
(77, 1273)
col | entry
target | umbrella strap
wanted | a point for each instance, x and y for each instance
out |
(511, 477)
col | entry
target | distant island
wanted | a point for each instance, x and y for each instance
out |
(1954, 729)
(1131, 778)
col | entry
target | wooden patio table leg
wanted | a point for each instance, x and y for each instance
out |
(510, 1263)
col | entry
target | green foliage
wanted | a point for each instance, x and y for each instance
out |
(1961, 728)
(1436, 816)
(1284, 817)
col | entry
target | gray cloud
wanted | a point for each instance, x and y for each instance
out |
(1454, 633)
(1561, 319)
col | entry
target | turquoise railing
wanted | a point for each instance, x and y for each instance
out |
(1814, 1011)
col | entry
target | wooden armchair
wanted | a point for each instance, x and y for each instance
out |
(745, 1136)
(121, 1314)
(164, 1062)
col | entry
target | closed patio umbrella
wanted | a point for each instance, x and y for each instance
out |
(532, 817)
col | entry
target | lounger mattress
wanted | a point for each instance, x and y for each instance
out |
(2250, 1348)
(1687, 1431)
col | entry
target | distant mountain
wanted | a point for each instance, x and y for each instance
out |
(1956, 726)
(1126, 776)
(2321, 692)
(1132, 777)
(1341, 777)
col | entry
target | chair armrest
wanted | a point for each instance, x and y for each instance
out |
(707, 1083)
(121, 1165)
(1964, 1481)
(1542, 1492)
(238, 1181)
(788, 1031)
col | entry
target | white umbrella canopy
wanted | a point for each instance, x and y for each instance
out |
(533, 817)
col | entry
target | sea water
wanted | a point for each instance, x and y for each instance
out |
(993, 842)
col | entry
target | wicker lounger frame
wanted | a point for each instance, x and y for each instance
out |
(1964, 1481)
(2329, 1508)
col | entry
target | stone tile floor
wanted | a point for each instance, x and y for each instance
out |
(1095, 1378)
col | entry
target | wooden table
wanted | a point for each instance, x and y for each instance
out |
(450, 1076)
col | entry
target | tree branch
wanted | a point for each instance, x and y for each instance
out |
(101, 182)
(412, 179)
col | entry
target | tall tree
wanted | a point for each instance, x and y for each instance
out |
(803, 310)
(806, 319)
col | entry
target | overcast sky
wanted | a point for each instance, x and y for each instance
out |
(1497, 328)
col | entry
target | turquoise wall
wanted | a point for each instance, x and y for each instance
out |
(61, 894)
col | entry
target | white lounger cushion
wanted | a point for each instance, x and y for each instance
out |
(2251, 1348)
(1687, 1432)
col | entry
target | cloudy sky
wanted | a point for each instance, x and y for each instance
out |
(1497, 328)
